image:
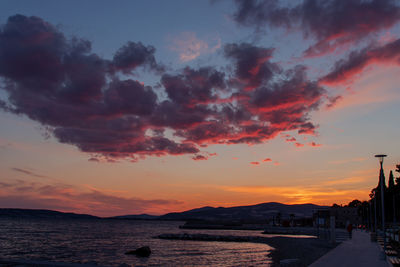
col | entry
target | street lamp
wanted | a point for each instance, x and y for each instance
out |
(382, 184)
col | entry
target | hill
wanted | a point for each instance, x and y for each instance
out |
(42, 214)
(253, 212)
(135, 217)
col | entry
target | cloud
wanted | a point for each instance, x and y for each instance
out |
(346, 69)
(61, 84)
(332, 23)
(325, 192)
(267, 160)
(205, 156)
(133, 55)
(199, 157)
(255, 163)
(314, 144)
(83, 100)
(251, 64)
(27, 172)
(193, 87)
(68, 198)
(190, 47)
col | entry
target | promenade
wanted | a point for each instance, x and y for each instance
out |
(358, 251)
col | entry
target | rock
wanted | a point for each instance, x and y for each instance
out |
(140, 252)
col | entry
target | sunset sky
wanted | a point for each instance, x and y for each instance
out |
(157, 106)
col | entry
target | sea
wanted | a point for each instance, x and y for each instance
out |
(104, 242)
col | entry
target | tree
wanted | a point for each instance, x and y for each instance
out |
(355, 203)
(391, 181)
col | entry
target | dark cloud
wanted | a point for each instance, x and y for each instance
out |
(193, 86)
(260, 114)
(208, 132)
(287, 103)
(130, 97)
(132, 55)
(170, 114)
(30, 51)
(80, 99)
(294, 92)
(331, 23)
(252, 66)
(72, 91)
(345, 69)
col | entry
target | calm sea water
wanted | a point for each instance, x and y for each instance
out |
(104, 242)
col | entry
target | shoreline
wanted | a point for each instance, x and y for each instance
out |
(306, 250)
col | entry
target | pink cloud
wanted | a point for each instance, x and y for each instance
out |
(346, 69)
(292, 139)
(68, 198)
(314, 144)
(190, 47)
(199, 157)
(267, 159)
(205, 156)
(255, 162)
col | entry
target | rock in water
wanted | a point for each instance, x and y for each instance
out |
(140, 252)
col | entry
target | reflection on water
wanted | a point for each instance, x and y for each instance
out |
(105, 241)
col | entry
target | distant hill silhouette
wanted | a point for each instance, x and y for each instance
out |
(254, 212)
(136, 217)
(42, 214)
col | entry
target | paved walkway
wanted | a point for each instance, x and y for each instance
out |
(358, 251)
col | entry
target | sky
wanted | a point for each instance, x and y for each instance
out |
(163, 106)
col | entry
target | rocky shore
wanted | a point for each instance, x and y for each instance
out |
(304, 250)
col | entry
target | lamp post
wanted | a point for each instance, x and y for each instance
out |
(382, 185)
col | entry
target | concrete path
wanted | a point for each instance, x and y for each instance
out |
(358, 251)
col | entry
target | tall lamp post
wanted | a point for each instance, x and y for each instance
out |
(382, 185)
